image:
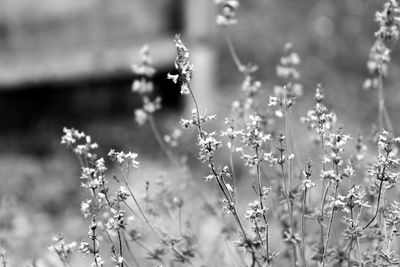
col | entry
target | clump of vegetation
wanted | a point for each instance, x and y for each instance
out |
(345, 192)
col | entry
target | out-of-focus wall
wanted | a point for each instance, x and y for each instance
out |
(62, 39)
(47, 24)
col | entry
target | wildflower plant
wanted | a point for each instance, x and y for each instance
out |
(330, 212)
(379, 57)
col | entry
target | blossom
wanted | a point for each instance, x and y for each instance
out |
(142, 86)
(306, 184)
(85, 248)
(144, 68)
(319, 119)
(183, 66)
(71, 136)
(172, 139)
(87, 208)
(174, 78)
(123, 193)
(116, 222)
(122, 157)
(62, 248)
(227, 13)
(254, 136)
(208, 145)
(141, 116)
(255, 212)
(386, 36)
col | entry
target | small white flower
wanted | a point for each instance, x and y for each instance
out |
(174, 78)
(273, 101)
(140, 116)
(185, 89)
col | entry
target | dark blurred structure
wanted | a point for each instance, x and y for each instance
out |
(71, 61)
(67, 63)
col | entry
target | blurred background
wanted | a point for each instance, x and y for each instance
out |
(67, 63)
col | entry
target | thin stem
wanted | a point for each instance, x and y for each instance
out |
(147, 196)
(129, 249)
(221, 182)
(120, 247)
(390, 239)
(330, 225)
(107, 233)
(267, 242)
(352, 239)
(383, 114)
(233, 170)
(161, 143)
(95, 250)
(233, 52)
(260, 194)
(325, 188)
(180, 218)
(293, 144)
(138, 205)
(127, 264)
(324, 195)
(349, 253)
(288, 180)
(387, 120)
(234, 255)
(148, 222)
(133, 211)
(141, 244)
(377, 205)
(359, 252)
(288, 203)
(197, 112)
(381, 103)
(257, 231)
(288, 141)
(303, 232)
(322, 140)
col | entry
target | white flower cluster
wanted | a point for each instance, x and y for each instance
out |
(287, 70)
(254, 139)
(255, 213)
(80, 143)
(307, 184)
(336, 141)
(250, 86)
(387, 35)
(391, 213)
(231, 133)
(61, 248)
(143, 85)
(183, 66)
(208, 144)
(387, 161)
(124, 158)
(172, 139)
(144, 71)
(93, 177)
(227, 14)
(71, 136)
(194, 120)
(319, 119)
(353, 199)
(117, 221)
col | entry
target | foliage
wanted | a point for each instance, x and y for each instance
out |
(344, 192)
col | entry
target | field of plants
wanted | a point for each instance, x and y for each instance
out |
(299, 167)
